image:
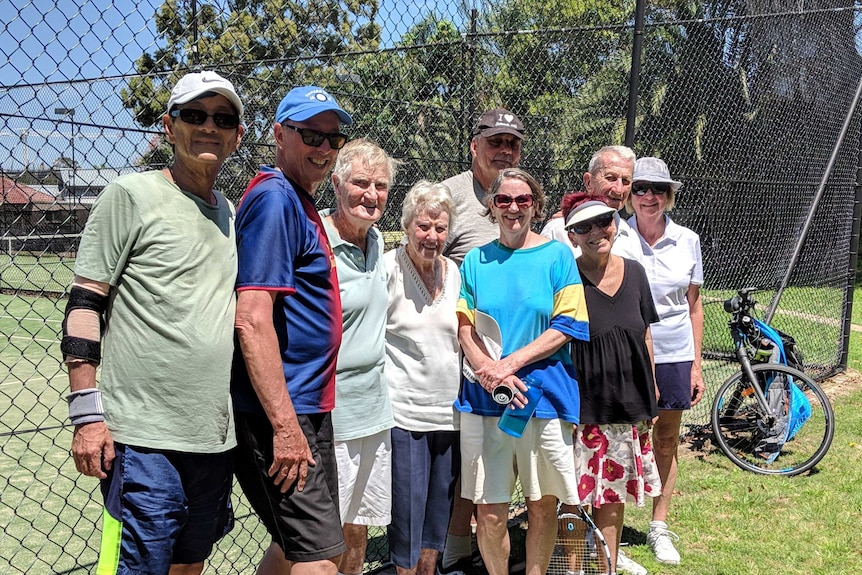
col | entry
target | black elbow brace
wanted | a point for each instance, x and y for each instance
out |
(73, 344)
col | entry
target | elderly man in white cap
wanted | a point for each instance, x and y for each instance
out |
(289, 323)
(154, 276)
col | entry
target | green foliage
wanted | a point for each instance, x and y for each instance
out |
(262, 45)
(414, 96)
(567, 79)
(30, 177)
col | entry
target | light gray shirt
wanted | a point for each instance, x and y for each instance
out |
(472, 229)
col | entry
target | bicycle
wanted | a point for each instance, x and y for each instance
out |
(769, 417)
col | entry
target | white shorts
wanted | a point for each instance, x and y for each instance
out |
(543, 459)
(365, 479)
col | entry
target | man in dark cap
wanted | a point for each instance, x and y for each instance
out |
(496, 145)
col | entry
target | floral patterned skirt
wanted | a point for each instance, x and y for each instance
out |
(615, 463)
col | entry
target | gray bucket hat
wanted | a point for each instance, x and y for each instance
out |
(649, 169)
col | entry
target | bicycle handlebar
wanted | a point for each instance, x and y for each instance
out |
(740, 302)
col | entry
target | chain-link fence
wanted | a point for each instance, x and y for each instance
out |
(744, 99)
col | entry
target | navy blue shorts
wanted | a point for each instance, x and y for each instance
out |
(425, 467)
(163, 507)
(305, 524)
(674, 385)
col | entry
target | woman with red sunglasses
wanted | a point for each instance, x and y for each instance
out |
(530, 287)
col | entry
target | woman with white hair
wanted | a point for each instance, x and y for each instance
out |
(422, 367)
(362, 418)
(672, 259)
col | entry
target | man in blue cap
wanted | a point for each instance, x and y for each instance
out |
(288, 324)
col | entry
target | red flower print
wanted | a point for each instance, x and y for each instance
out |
(610, 496)
(613, 470)
(632, 487)
(594, 463)
(645, 443)
(586, 486)
(592, 437)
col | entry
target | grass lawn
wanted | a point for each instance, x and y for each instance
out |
(46, 273)
(733, 522)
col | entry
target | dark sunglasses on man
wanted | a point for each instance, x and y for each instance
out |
(315, 138)
(641, 189)
(504, 200)
(600, 222)
(196, 117)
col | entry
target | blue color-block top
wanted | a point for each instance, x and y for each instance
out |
(527, 291)
(282, 247)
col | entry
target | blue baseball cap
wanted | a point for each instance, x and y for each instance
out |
(303, 102)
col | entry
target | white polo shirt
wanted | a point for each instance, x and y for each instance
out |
(627, 243)
(672, 265)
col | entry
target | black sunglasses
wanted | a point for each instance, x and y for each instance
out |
(311, 137)
(586, 227)
(198, 117)
(657, 189)
(504, 201)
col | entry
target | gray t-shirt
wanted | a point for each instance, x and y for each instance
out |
(170, 259)
(471, 229)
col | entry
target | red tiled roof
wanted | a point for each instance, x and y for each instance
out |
(12, 192)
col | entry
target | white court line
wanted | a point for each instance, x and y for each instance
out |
(26, 381)
(39, 319)
(38, 340)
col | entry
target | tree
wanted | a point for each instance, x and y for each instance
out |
(262, 46)
(410, 100)
(542, 60)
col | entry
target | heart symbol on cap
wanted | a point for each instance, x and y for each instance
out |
(508, 118)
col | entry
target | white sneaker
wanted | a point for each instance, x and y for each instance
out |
(660, 540)
(629, 566)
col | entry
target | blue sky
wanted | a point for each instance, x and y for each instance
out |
(45, 44)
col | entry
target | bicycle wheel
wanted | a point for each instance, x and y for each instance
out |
(739, 424)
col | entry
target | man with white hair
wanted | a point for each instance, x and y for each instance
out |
(609, 174)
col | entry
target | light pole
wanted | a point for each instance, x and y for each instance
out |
(71, 113)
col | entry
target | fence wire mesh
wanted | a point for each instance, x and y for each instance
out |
(744, 99)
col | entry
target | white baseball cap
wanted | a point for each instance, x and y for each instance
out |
(194, 85)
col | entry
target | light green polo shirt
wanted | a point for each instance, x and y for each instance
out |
(170, 259)
(362, 405)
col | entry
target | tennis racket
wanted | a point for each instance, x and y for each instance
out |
(580, 546)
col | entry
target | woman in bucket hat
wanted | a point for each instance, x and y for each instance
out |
(672, 260)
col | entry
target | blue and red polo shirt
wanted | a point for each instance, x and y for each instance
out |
(282, 247)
